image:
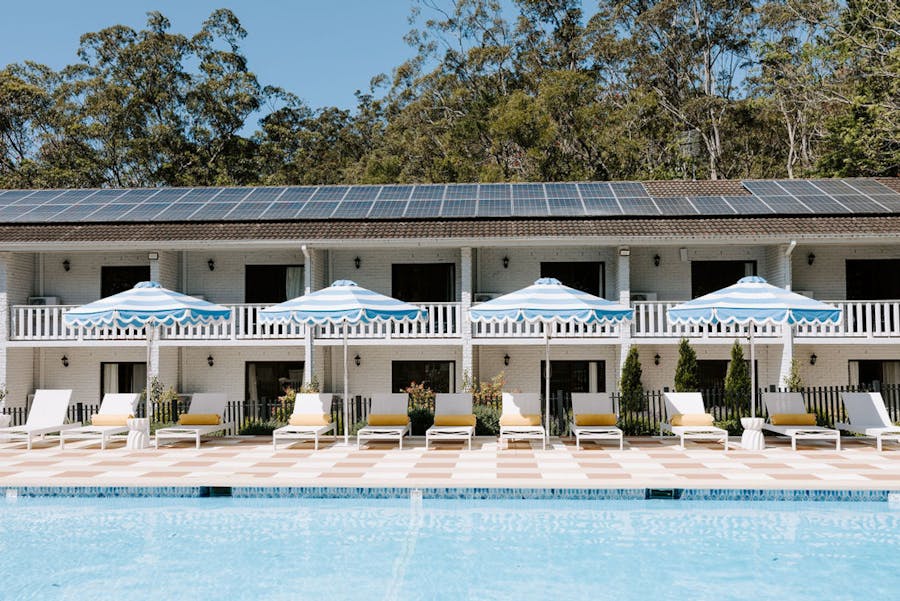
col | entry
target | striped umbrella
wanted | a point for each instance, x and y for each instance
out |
(342, 303)
(148, 305)
(548, 301)
(753, 302)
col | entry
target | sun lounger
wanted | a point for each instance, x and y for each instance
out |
(205, 416)
(520, 418)
(869, 417)
(453, 418)
(47, 415)
(388, 419)
(310, 419)
(788, 417)
(593, 418)
(110, 420)
(687, 418)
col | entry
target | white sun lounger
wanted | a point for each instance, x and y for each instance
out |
(518, 405)
(312, 405)
(386, 404)
(47, 415)
(112, 404)
(690, 403)
(451, 404)
(869, 417)
(593, 403)
(201, 403)
(792, 403)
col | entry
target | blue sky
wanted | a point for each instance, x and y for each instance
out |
(321, 50)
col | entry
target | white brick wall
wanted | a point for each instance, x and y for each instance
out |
(657, 377)
(228, 372)
(375, 265)
(225, 284)
(832, 361)
(170, 270)
(827, 276)
(524, 369)
(81, 284)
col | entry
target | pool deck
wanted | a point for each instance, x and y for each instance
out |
(645, 463)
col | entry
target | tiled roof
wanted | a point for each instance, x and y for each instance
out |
(311, 231)
(891, 182)
(696, 188)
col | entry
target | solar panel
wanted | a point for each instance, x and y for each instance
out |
(748, 205)
(494, 208)
(13, 196)
(494, 191)
(395, 192)
(108, 213)
(296, 194)
(787, 204)
(42, 196)
(822, 204)
(458, 208)
(39, 213)
(353, 209)
(462, 192)
(428, 192)
(675, 205)
(384, 209)
(259, 195)
(9, 213)
(233, 211)
(834, 186)
(329, 193)
(859, 203)
(317, 210)
(595, 190)
(891, 201)
(628, 189)
(76, 212)
(138, 196)
(423, 208)
(560, 207)
(281, 210)
(70, 197)
(530, 207)
(763, 188)
(362, 193)
(144, 212)
(867, 186)
(798, 187)
(527, 191)
(561, 190)
(602, 206)
(712, 205)
(638, 206)
(179, 211)
(213, 211)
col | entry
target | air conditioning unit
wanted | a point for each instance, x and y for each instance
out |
(481, 297)
(642, 296)
(43, 300)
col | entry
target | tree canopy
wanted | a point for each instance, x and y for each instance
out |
(567, 90)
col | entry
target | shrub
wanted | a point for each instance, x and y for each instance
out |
(632, 426)
(487, 420)
(285, 408)
(310, 387)
(420, 419)
(258, 427)
(419, 395)
(793, 382)
(485, 392)
(732, 425)
(632, 390)
(687, 378)
(737, 381)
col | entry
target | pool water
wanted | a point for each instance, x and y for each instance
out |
(100, 548)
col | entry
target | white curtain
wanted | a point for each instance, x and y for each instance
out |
(139, 377)
(854, 372)
(891, 371)
(110, 378)
(293, 281)
(251, 381)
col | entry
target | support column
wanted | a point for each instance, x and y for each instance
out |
(466, 279)
(787, 353)
(623, 280)
(154, 267)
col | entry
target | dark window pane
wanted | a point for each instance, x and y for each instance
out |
(439, 376)
(709, 276)
(587, 276)
(866, 279)
(119, 278)
(272, 284)
(424, 282)
(572, 376)
(267, 380)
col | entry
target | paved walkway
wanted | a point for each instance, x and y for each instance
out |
(646, 462)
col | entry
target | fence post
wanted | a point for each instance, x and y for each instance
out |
(79, 412)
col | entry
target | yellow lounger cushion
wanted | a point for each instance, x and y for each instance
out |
(793, 419)
(692, 419)
(310, 419)
(109, 419)
(388, 419)
(199, 419)
(596, 419)
(454, 420)
(514, 419)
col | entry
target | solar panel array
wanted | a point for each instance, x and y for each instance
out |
(436, 201)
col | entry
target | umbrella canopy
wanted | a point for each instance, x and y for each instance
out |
(752, 302)
(342, 303)
(549, 301)
(147, 305)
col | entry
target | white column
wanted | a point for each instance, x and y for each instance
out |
(466, 279)
(787, 353)
(154, 270)
(623, 279)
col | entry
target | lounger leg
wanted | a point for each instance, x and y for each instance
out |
(794, 443)
(621, 443)
(577, 442)
(837, 446)
(426, 441)
(358, 447)
(29, 441)
(470, 442)
(682, 441)
(316, 444)
(198, 440)
(401, 442)
(62, 441)
(274, 444)
(878, 442)
(725, 440)
(102, 441)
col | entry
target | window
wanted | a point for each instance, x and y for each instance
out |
(872, 374)
(866, 279)
(266, 380)
(711, 373)
(709, 276)
(272, 283)
(587, 276)
(123, 377)
(439, 376)
(119, 278)
(424, 282)
(574, 376)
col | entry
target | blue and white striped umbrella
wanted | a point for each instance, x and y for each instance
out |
(342, 303)
(753, 301)
(147, 305)
(549, 301)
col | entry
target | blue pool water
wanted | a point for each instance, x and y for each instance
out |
(101, 548)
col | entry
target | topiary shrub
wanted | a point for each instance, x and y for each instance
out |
(420, 419)
(636, 427)
(632, 390)
(687, 376)
(732, 425)
(258, 427)
(737, 382)
(793, 381)
(487, 420)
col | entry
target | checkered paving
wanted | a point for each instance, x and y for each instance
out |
(645, 462)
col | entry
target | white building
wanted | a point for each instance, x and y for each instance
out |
(445, 247)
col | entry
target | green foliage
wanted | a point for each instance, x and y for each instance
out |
(420, 419)
(737, 381)
(630, 387)
(487, 420)
(310, 387)
(259, 427)
(793, 381)
(732, 425)
(420, 395)
(687, 377)
(485, 392)
(634, 426)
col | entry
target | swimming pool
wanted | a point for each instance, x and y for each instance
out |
(225, 548)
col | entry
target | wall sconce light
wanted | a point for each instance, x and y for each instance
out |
(211, 264)
(810, 258)
(624, 252)
(656, 359)
(505, 262)
(65, 361)
(67, 265)
(210, 361)
(656, 260)
(357, 261)
(153, 256)
(506, 359)
(357, 360)
(812, 359)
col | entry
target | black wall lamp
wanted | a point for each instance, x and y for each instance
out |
(656, 359)
(357, 360)
(210, 361)
(505, 262)
(65, 361)
(810, 258)
(67, 265)
(813, 358)
(211, 264)
(357, 261)
(656, 260)
(506, 359)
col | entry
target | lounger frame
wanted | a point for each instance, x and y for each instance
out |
(687, 403)
(306, 403)
(792, 402)
(47, 416)
(201, 403)
(522, 403)
(868, 417)
(458, 403)
(386, 404)
(594, 402)
(111, 404)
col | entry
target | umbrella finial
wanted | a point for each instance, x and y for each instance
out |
(752, 279)
(343, 283)
(148, 285)
(547, 282)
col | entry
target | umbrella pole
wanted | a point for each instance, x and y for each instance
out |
(547, 382)
(147, 395)
(346, 391)
(752, 372)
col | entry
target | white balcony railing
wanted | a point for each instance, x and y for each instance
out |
(442, 320)
(869, 319)
(650, 321)
(536, 330)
